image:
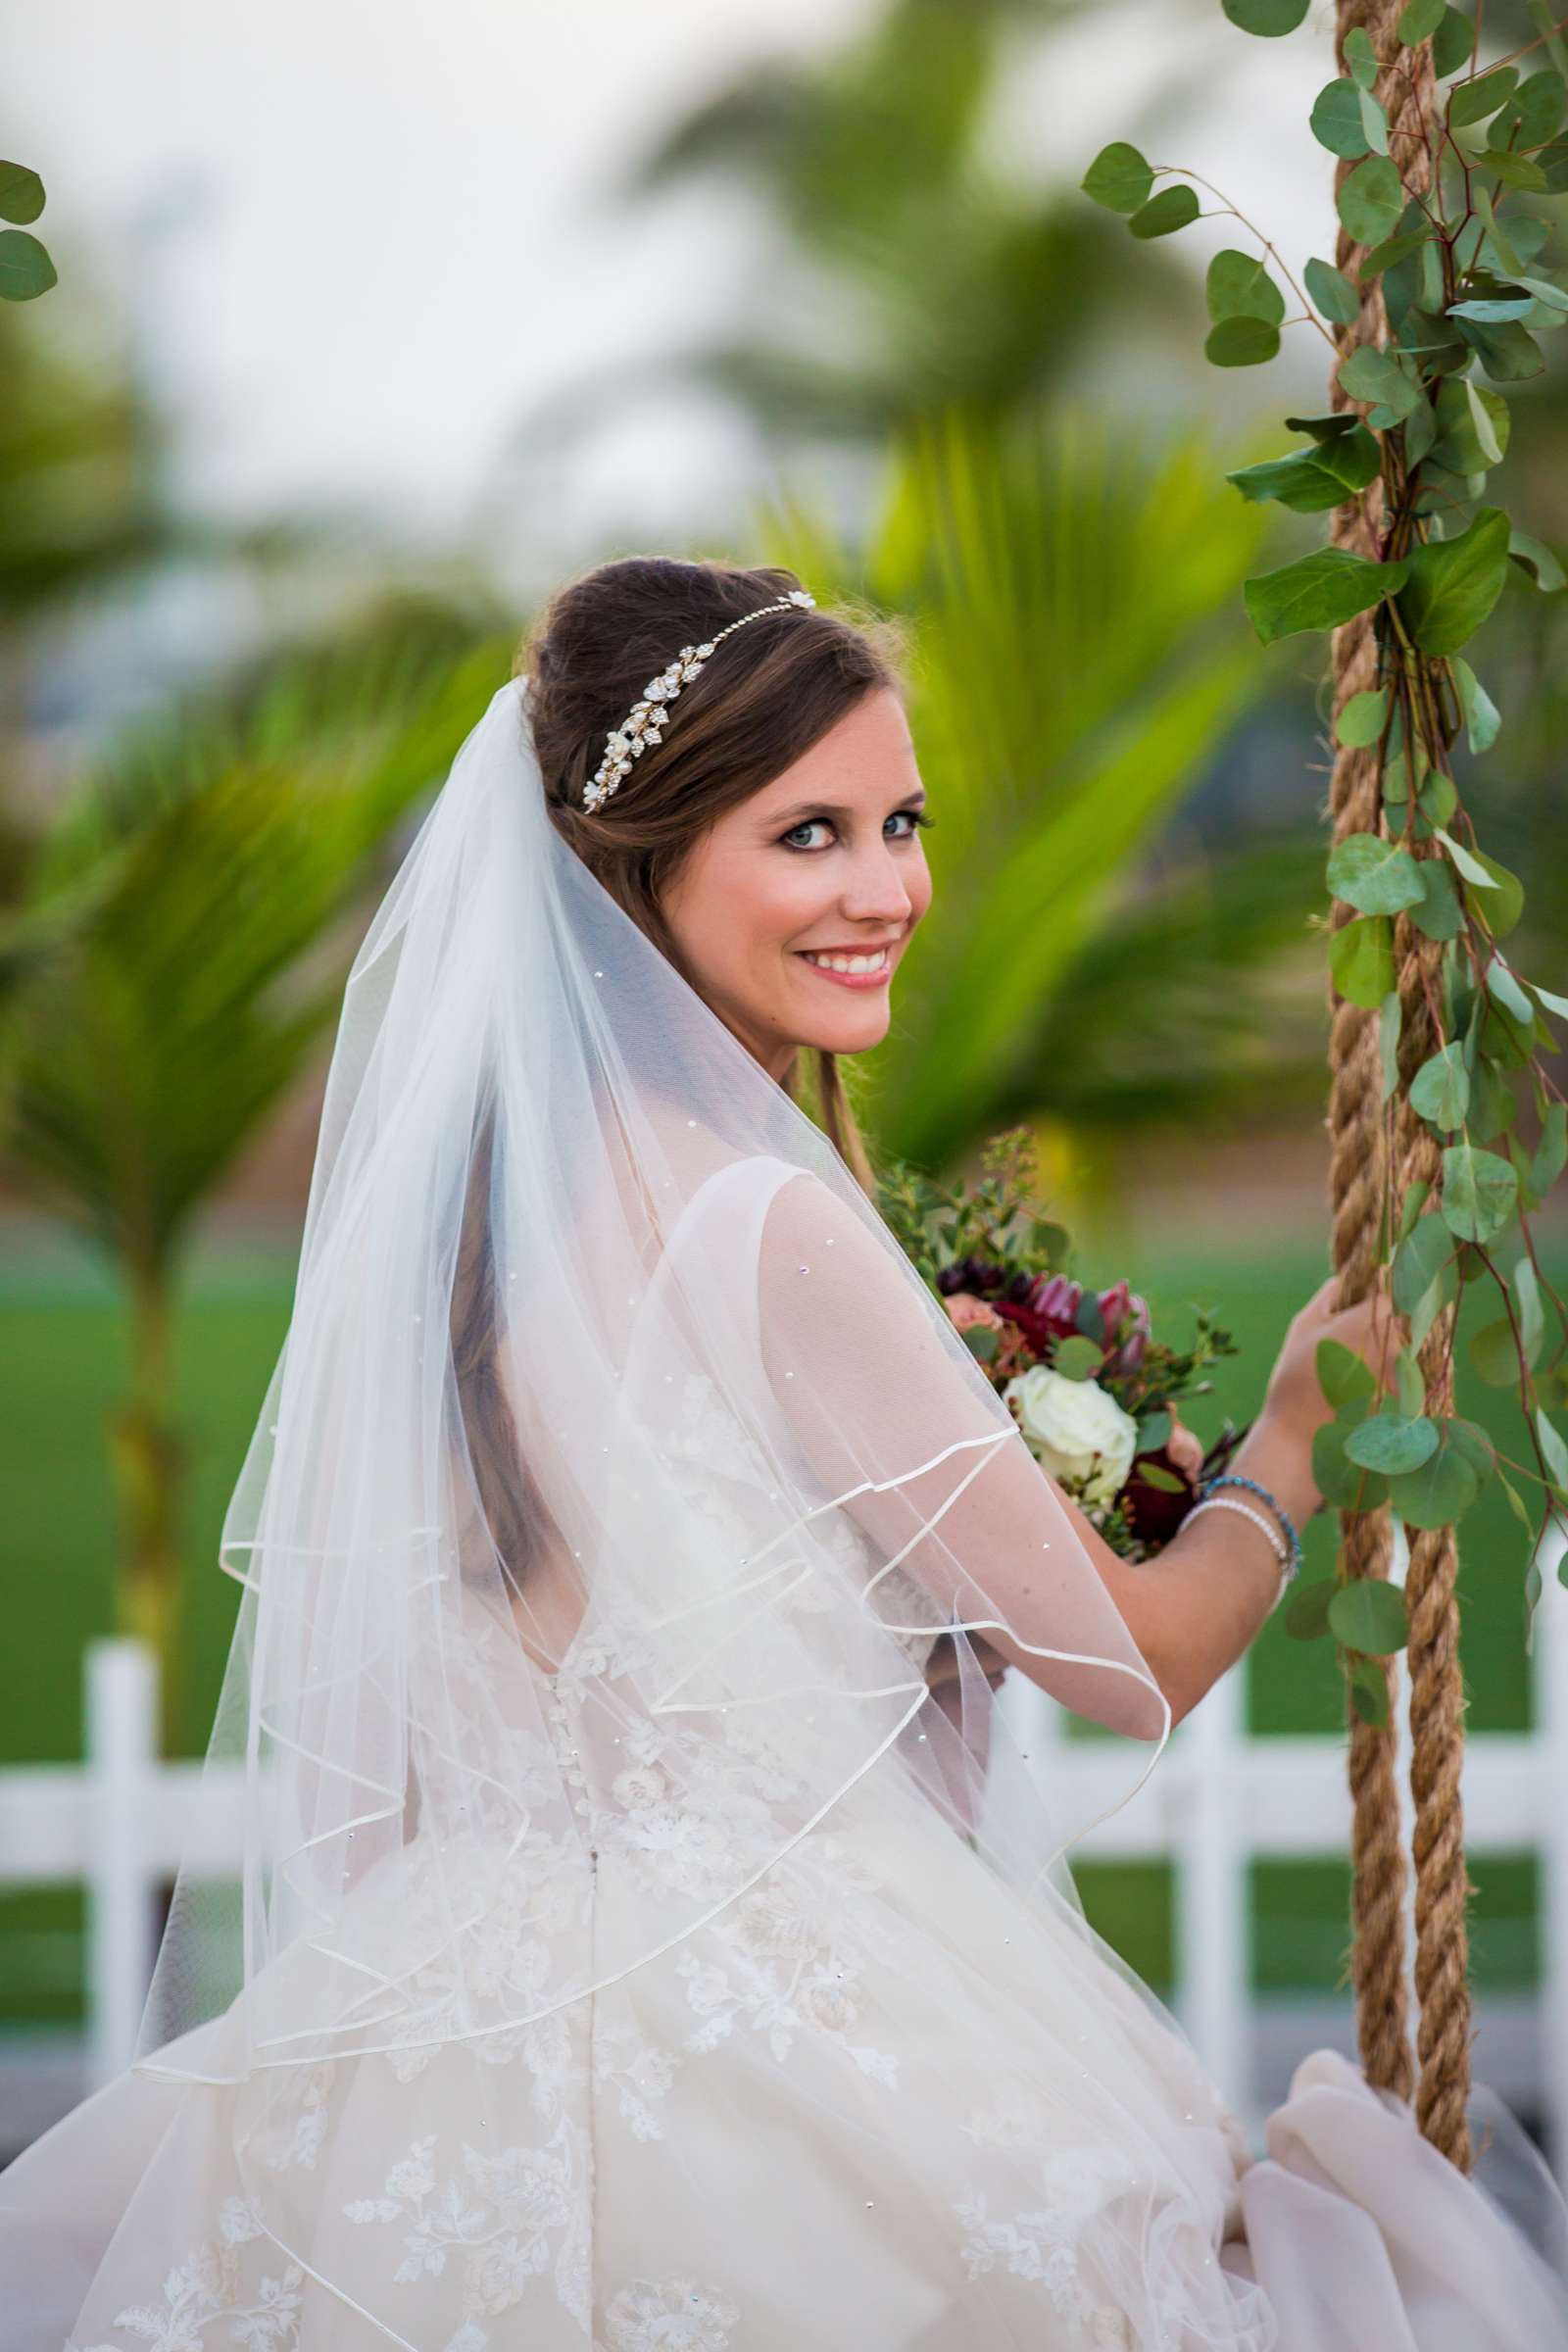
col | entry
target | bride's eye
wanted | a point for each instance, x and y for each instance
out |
(789, 841)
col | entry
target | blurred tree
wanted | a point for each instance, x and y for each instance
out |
(175, 954)
(1079, 652)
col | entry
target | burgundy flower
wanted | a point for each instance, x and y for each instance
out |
(1044, 1308)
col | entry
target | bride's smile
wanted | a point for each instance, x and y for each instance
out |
(795, 909)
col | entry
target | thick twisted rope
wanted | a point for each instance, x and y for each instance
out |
(1357, 1175)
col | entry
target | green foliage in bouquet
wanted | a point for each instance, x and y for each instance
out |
(1441, 216)
(987, 1245)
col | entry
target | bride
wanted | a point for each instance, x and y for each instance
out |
(645, 1934)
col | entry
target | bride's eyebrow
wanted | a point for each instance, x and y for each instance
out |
(789, 816)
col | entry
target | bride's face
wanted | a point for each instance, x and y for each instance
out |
(825, 859)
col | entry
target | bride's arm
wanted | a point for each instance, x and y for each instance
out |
(858, 1360)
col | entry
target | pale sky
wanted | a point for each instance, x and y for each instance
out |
(355, 240)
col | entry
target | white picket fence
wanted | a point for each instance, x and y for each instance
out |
(123, 1820)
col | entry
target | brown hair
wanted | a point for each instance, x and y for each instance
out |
(737, 725)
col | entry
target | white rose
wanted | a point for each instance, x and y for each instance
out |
(1068, 1423)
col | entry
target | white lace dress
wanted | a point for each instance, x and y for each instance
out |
(875, 2104)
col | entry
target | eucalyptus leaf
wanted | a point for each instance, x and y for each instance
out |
(1460, 445)
(1267, 18)
(1420, 20)
(1482, 717)
(1526, 1286)
(1373, 375)
(1237, 285)
(1553, 1448)
(1439, 915)
(1307, 1612)
(1333, 292)
(1534, 557)
(1335, 120)
(1494, 1356)
(1374, 875)
(1515, 171)
(1361, 959)
(1452, 584)
(1362, 718)
(1473, 101)
(26, 268)
(1375, 123)
(1240, 343)
(1551, 1152)
(1360, 55)
(1508, 351)
(1440, 1090)
(1503, 984)
(22, 197)
(1436, 1491)
(1369, 1615)
(1318, 592)
(1392, 1442)
(1532, 113)
(1118, 179)
(1299, 481)
(1343, 1375)
(1452, 42)
(1479, 1192)
(1390, 1018)
(1368, 1687)
(1424, 1261)
(1172, 209)
(1371, 200)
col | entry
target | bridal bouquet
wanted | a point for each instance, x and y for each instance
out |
(1092, 1391)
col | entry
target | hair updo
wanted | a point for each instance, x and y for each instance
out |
(756, 705)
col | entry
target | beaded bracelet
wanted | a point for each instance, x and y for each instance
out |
(1276, 1543)
(1287, 1523)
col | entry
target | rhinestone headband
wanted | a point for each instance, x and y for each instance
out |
(645, 723)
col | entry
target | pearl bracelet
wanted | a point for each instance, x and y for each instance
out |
(1281, 1550)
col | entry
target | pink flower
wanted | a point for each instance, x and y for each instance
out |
(966, 1313)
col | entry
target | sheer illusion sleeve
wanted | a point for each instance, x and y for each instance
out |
(904, 1432)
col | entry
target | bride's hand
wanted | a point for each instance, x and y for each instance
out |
(1369, 1329)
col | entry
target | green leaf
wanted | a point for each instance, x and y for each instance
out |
(1392, 1442)
(1368, 1687)
(1553, 1448)
(1298, 481)
(1490, 311)
(1505, 903)
(1452, 43)
(1551, 1152)
(1373, 375)
(1333, 292)
(1532, 1316)
(1437, 1490)
(1494, 1355)
(1318, 592)
(1171, 209)
(1482, 718)
(1440, 1090)
(1420, 20)
(1118, 179)
(1479, 1192)
(1361, 960)
(1473, 101)
(1439, 915)
(1510, 353)
(1371, 200)
(1556, 297)
(21, 194)
(1360, 55)
(1452, 584)
(1515, 171)
(1374, 875)
(1335, 120)
(1390, 252)
(1341, 1374)
(1459, 445)
(1339, 1479)
(1532, 113)
(1488, 440)
(1240, 343)
(1389, 1020)
(1369, 1615)
(1306, 1612)
(1238, 287)
(1503, 985)
(1266, 17)
(1375, 123)
(1423, 1264)
(1362, 718)
(1536, 559)
(26, 269)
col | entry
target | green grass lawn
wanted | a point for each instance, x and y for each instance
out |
(62, 1356)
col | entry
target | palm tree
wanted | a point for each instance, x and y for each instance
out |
(1079, 652)
(178, 949)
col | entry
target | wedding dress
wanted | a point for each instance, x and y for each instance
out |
(628, 1953)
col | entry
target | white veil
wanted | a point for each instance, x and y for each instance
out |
(607, 1401)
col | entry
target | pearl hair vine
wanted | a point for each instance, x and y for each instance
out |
(645, 722)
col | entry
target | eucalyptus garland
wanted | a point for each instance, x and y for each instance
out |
(1469, 284)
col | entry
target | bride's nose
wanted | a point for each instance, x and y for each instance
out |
(875, 891)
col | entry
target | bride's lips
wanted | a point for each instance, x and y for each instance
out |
(872, 979)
